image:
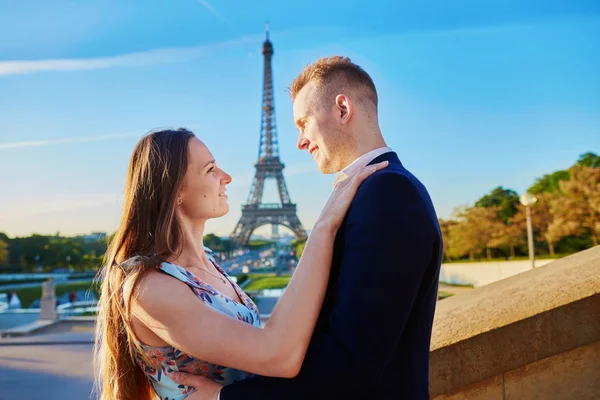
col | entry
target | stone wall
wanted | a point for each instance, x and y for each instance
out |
(535, 335)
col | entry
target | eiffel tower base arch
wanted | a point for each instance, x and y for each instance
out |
(253, 217)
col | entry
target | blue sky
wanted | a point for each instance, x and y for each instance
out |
(473, 94)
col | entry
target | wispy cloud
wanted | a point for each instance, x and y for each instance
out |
(141, 58)
(51, 142)
(55, 204)
(212, 10)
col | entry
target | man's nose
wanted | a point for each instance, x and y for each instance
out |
(302, 143)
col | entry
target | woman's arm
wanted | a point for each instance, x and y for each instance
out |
(176, 315)
(173, 312)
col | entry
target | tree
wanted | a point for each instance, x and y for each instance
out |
(475, 231)
(4, 237)
(542, 219)
(64, 252)
(549, 183)
(508, 233)
(446, 227)
(505, 200)
(29, 251)
(589, 159)
(217, 244)
(212, 241)
(3, 253)
(513, 233)
(578, 211)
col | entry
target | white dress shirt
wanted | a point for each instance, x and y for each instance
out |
(360, 163)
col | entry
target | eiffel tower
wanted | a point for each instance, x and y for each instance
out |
(255, 213)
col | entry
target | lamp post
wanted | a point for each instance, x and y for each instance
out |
(527, 199)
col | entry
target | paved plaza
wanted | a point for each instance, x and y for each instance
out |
(46, 372)
(55, 363)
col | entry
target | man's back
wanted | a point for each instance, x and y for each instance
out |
(373, 333)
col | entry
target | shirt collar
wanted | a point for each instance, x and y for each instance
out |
(364, 160)
(360, 163)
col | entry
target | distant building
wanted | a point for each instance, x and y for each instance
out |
(286, 238)
(254, 237)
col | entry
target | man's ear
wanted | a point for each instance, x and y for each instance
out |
(345, 108)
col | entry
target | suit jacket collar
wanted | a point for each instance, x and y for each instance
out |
(391, 157)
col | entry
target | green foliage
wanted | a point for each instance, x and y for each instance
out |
(55, 252)
(564, 218)
(506, 199)
(3, 253)
(211, 240)
(549, 183)
(573, 244)
(298, 246)
(268, 282)
(467, 285)
(443, 295)
(217, 244)
(21, 281)
(241, 278)
(29, 295)
(259, 244)
(260, 275)
(589, 159)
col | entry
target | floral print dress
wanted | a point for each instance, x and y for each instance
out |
(159, 361)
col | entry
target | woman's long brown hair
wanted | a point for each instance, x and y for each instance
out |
(149, 229)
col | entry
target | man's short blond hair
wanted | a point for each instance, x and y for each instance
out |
(336, 75)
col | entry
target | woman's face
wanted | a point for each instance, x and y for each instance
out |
(202, 195)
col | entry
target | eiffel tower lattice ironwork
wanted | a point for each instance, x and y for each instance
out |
(255, 213)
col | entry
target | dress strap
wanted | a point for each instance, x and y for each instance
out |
(186, 276)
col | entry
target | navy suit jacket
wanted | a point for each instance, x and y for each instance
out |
(373, 334)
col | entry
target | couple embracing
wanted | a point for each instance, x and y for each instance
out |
(355, 320)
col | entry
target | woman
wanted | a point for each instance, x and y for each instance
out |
(150, 323)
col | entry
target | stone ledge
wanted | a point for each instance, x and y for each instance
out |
(571, 375)
(512, 323)
(27, 329)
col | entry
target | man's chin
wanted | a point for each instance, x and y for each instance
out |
(326, 168)
(325, 171)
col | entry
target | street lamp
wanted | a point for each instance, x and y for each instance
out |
(527, 199)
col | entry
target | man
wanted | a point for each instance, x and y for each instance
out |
(373, 335)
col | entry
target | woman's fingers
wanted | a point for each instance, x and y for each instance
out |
(368, 171)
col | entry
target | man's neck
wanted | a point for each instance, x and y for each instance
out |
(364, 145)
